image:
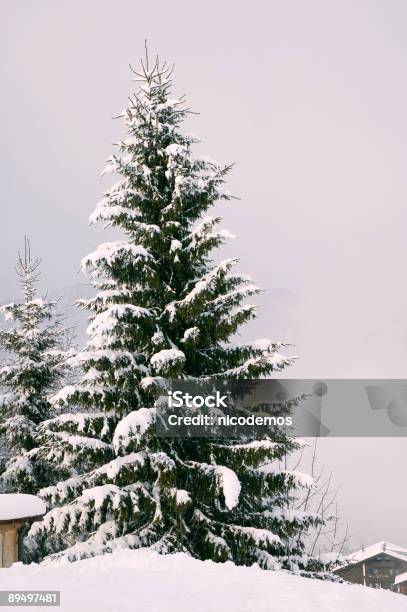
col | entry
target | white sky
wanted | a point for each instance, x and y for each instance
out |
(309, 99)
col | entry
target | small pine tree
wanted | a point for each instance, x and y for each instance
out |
(33, 371)
(163, 310)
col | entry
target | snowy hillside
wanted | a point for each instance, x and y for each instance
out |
(142, 580)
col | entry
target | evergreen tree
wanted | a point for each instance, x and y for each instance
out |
(163, 309)
(34, 370)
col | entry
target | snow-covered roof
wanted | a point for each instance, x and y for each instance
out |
(20, 506)
(393, 550)
(400, 578)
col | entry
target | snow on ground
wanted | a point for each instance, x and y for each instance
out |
(128, 581)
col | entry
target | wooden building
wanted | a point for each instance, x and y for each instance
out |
(400, 584)
(15, 511)
(376, 566)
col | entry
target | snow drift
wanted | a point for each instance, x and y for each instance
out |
(132, 580)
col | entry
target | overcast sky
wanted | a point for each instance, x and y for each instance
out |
(309, 99)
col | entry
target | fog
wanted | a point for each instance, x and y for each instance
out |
(309, 99)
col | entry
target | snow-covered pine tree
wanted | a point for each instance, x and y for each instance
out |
(34, 340)
(163, 309)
